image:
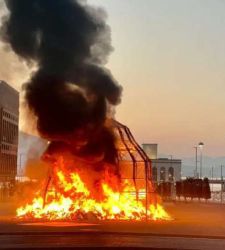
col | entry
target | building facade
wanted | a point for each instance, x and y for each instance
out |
(163, 169)
(9, 120)
(166, 170)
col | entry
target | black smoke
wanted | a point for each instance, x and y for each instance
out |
(71, 89)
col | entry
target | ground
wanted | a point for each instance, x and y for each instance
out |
(195, 226)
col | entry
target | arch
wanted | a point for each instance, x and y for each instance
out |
(171, 174)
(162, 174)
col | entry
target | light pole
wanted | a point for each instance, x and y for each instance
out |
(200, 145)
(196, 161)
(212, 178)
(221, 176)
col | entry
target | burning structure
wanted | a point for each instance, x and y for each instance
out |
(72, 95)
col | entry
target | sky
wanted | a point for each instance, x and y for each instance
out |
(170, 59)
(169, 56)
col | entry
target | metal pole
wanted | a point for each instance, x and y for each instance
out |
(212, 178)
(196, 161)
(146, 191)
(200, 163)
(221, 175)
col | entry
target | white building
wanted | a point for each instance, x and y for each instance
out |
(163, 169)
(30, 147)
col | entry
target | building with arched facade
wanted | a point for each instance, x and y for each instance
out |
(163, 169)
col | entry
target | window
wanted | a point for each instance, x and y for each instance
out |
(162, 174)
(171, 174)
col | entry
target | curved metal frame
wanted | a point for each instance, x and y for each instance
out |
(127, 138)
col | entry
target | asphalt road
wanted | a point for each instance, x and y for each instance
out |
(195, 226)
(106, 240)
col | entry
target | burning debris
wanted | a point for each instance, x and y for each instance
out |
(72, 199)
(71, 94)
(71, 194)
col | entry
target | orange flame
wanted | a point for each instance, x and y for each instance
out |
(72, 199)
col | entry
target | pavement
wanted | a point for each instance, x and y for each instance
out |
(195, 226)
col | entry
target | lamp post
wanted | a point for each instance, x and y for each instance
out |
(200, 145)
(196, 161)
(212, 177)
(221, 176)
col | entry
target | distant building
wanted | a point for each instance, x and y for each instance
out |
(9, 120)
(150, 150)
(30, 147)
(163, 169)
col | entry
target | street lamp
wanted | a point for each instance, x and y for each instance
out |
(222, 185)
(200, 145)
(196, 161)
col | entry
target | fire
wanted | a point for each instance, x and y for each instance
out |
(71, 198)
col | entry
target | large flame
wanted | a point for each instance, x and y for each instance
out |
(71, 198)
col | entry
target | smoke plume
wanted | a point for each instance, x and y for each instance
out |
(70, 91)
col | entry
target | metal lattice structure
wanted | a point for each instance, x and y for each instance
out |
(134, 163)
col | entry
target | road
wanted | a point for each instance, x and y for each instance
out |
(195, 226)
(97, 239)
